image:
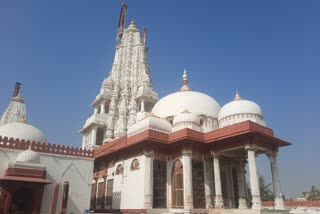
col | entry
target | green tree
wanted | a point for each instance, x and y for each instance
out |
(313, 194)
(266, 193)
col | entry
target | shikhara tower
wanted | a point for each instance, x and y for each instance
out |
(126, 94)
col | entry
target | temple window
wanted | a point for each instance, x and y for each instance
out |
(159, 184)
(100, 195)
(135, 164)
(109, 194)
(170, 120)
(119, 169)
(177, 185)
(198, 184)
(201, 121)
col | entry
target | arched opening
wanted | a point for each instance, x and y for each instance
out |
(22, 201)
(177, 185)
(100, 136)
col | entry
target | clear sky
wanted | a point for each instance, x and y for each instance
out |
(268, 50)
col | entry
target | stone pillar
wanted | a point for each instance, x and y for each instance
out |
(254, 181)
(278, 199)
(208, 183)
(102, 108)
(142, 105)
(187, 177)
(241, 186)
(95, 110)
(218, 199)
(148, 180)
(93, 136)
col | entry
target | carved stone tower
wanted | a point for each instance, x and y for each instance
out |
(126, 95)
(16, 111)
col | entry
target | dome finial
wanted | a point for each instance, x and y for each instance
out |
(237, 97)
(185, 86)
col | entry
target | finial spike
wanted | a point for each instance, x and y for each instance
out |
(185, 86)
(237, 97)
(122, 21)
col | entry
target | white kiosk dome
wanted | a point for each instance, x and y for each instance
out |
(240, 110)
(23, 131)
(28, 156)
(196, 103)
(150, 122)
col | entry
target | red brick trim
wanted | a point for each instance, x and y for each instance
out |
(44, 147)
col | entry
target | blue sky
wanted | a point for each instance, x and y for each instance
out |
(61, 50)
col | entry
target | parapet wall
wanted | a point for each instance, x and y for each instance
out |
(44, 147)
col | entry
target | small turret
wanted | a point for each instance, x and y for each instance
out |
(16, 111)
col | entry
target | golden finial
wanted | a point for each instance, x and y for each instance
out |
(185, 86)
(237, 97)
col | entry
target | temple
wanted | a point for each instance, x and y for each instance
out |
(183, 153)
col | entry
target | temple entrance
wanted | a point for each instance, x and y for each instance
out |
(22, 201)
(177, 185)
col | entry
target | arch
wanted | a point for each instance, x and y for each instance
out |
(100, 136)
(177, 195)
(119, 169)
(135, 164)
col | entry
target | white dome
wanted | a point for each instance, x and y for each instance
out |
(240, 110)
(186, 117)
(151, 122)
(28, 156)
(195, 102)
(23, 131)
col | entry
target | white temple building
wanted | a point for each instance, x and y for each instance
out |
(181, 154)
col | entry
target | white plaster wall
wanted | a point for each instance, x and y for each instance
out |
(78, 171)
(128, 188)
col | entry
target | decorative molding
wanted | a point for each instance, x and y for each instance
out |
(44, 147)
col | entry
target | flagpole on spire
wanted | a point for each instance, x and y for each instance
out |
(122, 22)
(16, 89)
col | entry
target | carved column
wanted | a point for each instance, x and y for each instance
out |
(102, 110)
(278, 199)
(254, 181)
(187, 177)
(142, 105)
(207, 182)
(218, 199)
(148, 185)
(241, 185)
(93, 136)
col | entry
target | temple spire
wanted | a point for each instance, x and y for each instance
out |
(122, 22)
(185, 86)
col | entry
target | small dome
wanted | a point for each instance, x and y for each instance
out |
(151, 122)
(186, 117)
(196, 103)
(240, 110)
(28, 156)
(23, 131)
